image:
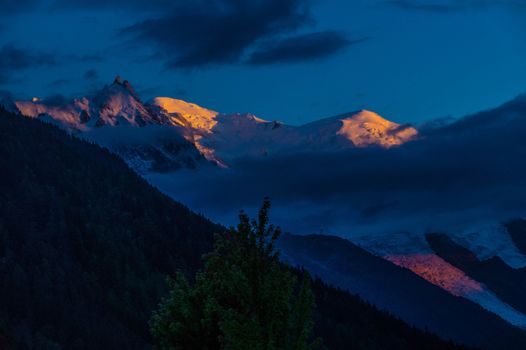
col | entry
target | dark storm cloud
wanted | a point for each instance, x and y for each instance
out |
(470, 170)
(299, 48)
(197, 34)
(13, 59)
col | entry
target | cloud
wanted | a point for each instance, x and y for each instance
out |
(198, 34)
(451, 6)
(306, 47)
(5, 95)
(465, 173)
(56, 100)
(59, 82)
(438, 6)
(8, 7)
(149, 5)
(14, 59)
(95, 58)
(520, 4)
(91, 74)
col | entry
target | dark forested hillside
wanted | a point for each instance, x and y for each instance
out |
(345, 323)
(85, 245)
(84, 242)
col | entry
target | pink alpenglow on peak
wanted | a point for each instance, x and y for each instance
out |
(367, 128)
(187, 114)
(220, 138)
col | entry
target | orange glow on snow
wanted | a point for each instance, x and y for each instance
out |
(368, 128)
(197, 117)
(439, 272)
(200, 121)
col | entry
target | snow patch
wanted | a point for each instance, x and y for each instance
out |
(368, 128)
(437, 271)
(488, 240)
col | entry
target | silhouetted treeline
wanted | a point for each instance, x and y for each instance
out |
(346, 322)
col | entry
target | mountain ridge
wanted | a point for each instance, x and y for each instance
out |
(220, 138)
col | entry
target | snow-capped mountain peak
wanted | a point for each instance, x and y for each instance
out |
(220, 138)
(115, 104)
(187, 114)
(118, 104)
(368, 128)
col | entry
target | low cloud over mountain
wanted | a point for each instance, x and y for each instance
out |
(460, 174)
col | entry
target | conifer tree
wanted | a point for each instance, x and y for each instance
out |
(245, 298)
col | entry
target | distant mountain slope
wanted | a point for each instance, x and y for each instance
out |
(218, 137)
(344, 325)
(517, 230)
(508, 283)
(400, 292)
(85, 245)
(463, 178)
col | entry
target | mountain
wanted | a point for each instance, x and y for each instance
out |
(517, 230)
(354, 174)
(400, 292)
(491, 282)
(116, 104)
(508, 283)
(218, 137)
(117, 107)
(461, 179)
(85, 246)
(236, 136)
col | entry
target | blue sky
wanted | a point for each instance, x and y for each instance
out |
(290, 60)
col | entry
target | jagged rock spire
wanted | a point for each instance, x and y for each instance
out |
(118, 80)
(125, 84)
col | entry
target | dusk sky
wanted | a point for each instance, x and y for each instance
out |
(289, 60)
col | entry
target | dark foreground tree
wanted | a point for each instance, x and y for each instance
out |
(243, 299)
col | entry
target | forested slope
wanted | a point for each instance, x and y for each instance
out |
(85, 245)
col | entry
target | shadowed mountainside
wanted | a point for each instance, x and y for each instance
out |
(507, 283)
(85, 245)
(399, 291)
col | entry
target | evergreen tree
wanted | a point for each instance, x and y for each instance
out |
(243, 299)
